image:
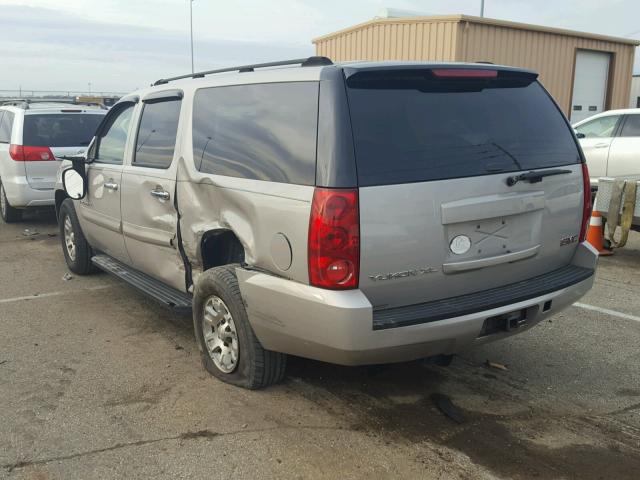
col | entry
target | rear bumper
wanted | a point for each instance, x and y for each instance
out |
(338, 326)
(21, 195)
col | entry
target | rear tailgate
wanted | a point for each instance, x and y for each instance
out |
(438, 219)
(65, 132)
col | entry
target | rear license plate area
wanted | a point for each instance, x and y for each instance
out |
(505, 322)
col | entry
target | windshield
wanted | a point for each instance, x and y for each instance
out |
(60, 130)
(411, 127)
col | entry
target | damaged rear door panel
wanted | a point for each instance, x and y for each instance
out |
(149, 216)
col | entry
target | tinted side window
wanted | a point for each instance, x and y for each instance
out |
(6, 123)
(260, 131)
(2, 140)
(602, 127)
(631, 126)
(114, 139)
(156, 139)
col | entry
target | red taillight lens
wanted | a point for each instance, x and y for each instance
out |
(334, 239)
(586, 203)
(463, 73)
(23, 153)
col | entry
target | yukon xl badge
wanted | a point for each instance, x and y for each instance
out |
(568, 240)
(406, 273)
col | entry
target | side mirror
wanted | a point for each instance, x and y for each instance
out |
(579, 135)
(73, 184)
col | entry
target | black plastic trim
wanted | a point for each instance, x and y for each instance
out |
(480, 301)
(166, 295)
(335, 159)
(163, 96)
(303, 62)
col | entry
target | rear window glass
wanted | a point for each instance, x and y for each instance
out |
(410, 127)
(60, 129)
(259, 131)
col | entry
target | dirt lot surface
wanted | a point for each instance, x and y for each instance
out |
(97, 382)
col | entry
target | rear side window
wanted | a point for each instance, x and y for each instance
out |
(60, 129)
(6, 124)
(631, 126)
(259, 131)
(410, 126)
(156, 139)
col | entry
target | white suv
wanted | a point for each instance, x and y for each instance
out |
(32, 135)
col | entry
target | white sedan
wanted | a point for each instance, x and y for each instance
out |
(611, 143)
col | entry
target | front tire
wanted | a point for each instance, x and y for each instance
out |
(76, 249)
(8, 213)
(229, 349)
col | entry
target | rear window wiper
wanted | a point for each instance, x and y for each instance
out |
(534, 177)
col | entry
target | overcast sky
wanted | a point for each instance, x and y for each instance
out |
(119, 45)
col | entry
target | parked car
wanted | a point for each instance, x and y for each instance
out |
(32, 135)
(357, 214)
(611, 143)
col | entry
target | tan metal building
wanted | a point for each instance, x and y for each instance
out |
(586, 73)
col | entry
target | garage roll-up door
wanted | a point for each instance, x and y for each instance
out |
(590, 84)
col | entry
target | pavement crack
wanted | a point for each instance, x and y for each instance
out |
(197, 435)
(628, 409)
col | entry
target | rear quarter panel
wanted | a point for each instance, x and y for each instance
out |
(257, 212)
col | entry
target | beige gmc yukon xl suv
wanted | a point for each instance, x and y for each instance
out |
(357, 213)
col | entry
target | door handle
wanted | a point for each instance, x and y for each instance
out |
(160, 194)
(111, 185)
(601, 145)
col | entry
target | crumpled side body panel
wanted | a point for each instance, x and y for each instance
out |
(257, 212)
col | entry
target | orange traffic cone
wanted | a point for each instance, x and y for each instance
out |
(595, 234)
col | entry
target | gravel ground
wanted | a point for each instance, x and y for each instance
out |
(98, 382)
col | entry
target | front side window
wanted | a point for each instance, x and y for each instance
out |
(113, 141)
(6, 124)
(631, 126)
(602, 127)
(261, 131)
(156, 139)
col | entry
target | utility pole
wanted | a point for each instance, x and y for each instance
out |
(89, 88)
(191, 29)
(481, 8)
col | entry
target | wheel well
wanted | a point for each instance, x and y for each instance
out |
(60, 196)
(221, 247)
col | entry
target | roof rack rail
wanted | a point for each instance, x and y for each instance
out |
(26, 102)
(303, 62)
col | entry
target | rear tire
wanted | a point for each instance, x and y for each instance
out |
(76, 249)
(229, 349)
(8, 213)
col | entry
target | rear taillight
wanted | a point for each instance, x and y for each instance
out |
(334, 239)
(586, 203)
(23, 153)
(463, 73)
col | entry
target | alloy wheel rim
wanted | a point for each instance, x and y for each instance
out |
(220, 334)
(69, 238)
